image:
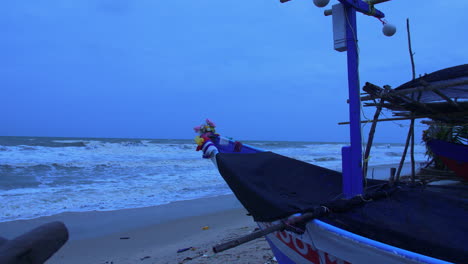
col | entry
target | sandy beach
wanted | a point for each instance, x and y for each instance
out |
(154, 234)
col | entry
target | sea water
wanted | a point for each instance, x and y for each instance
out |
(45, 176)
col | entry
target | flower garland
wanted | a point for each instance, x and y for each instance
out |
(206, 132)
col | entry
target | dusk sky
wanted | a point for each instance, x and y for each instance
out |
(259, 69)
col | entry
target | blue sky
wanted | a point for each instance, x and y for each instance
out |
(154, 69)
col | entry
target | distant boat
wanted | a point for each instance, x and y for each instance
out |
(454, 156)
(311, 214)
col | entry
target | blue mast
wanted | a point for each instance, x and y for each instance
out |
(352, 155)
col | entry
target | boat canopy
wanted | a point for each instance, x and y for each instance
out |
(441, 95)
(452, 81)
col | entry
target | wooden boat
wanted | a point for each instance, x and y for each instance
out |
(315, 215)
(399, 224)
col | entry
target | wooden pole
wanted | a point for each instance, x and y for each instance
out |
(410, 49)
(456, 114)
(371, 138)
(386, 119)
(413, 166)
(402, 161)
(283, 225)
(446, 98)
(391, 181)
(413, 70)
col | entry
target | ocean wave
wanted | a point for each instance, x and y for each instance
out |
(38, 167)
(393, 154)
(13, 183)
(277, 144)
(26, 148)
(326, 159)
(68, 143)
(5, 167)
(106, 194)
(2, 148)
(136, 143)
(91, 164)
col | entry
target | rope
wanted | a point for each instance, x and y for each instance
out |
(327, 210)
(364, 199)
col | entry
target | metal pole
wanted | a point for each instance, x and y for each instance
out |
(353, 185)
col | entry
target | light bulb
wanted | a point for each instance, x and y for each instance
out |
(389, 30)
(321, 3)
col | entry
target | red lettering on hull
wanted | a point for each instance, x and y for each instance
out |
(306, 250)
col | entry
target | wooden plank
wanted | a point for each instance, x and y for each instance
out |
(450, 101)
(465, 113)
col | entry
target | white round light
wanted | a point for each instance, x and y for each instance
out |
(321, 3)
(389, 30)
